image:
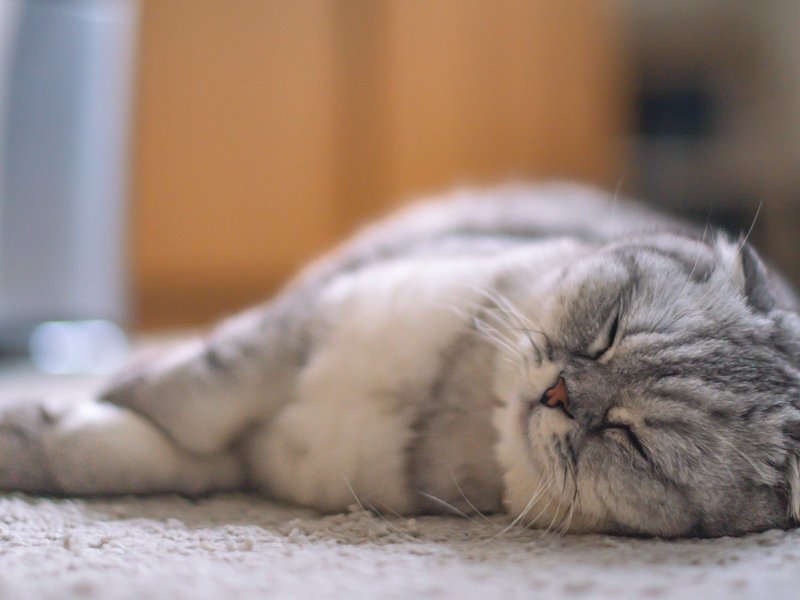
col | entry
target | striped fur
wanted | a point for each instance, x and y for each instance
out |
(404, 372)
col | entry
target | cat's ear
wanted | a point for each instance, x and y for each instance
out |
(748, 272)
(757, 281)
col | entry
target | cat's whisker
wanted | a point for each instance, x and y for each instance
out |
(574, 501)
(469, 502)
(492, 322)
(393, 512)
(503, 304)
(494, 332)
(556, 518)
(506, 306)
(461, 313)
(371, 513)
(534, 521)
(537, 494)
(563, 519)
(569, 516)
(527, 325)
(449, 506)
(512, 311)
(743, 241)
(503, 307)
(494, 336)
(505, 310)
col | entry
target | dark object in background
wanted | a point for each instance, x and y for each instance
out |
(675, 111)
(675, 126)
(716, 135)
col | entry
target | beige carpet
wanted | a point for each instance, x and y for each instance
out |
(246, 547)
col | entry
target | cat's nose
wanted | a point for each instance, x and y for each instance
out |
(556, 396)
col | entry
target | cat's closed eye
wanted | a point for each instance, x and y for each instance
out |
(606, 340)
(625, 435)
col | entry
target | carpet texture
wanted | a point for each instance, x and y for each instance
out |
(245, 547)
(238, 546)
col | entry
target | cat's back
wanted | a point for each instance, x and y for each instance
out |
(527, 210)
(481, 221)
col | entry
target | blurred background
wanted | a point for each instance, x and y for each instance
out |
(163, 163)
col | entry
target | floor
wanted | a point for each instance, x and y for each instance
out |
(237, 546)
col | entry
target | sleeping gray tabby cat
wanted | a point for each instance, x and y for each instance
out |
(583, 363)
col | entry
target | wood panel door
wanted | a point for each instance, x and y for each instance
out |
(267, 129)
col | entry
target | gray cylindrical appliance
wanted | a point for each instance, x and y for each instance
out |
(66, 73)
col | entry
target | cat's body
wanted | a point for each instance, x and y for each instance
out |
(583, 362)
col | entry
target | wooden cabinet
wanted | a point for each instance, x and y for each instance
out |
(267, 129)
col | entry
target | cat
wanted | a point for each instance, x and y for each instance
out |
(582, 362)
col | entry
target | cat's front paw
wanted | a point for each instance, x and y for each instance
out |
(140, 386)
(124, 388)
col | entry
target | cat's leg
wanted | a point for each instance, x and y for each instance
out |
(206, 392)
(90, 447)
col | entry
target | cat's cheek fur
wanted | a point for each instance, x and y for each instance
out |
(524, 427)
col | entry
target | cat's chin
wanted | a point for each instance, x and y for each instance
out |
(552, 514)
(534, 499)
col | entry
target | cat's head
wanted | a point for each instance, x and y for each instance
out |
(660, 392)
